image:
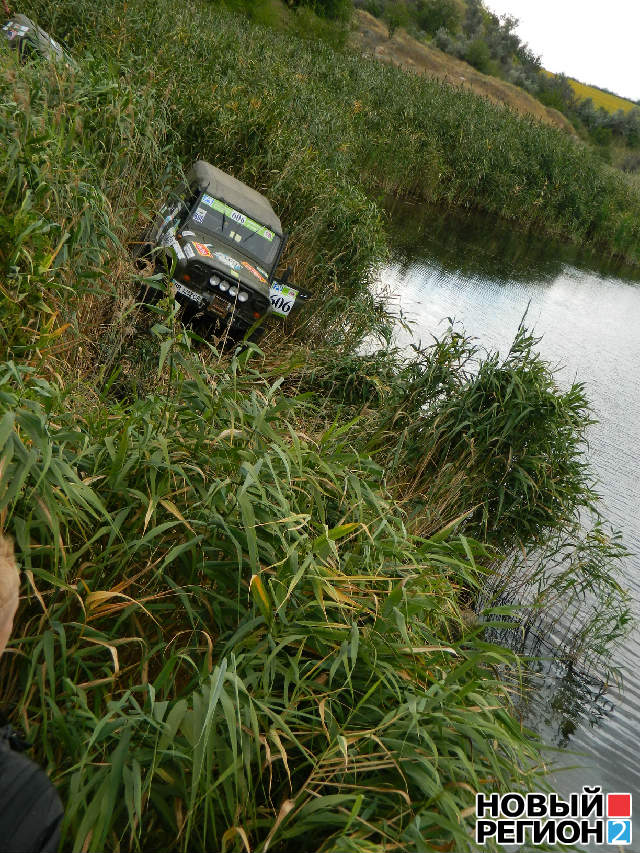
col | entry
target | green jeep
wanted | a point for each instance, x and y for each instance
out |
(222, 242)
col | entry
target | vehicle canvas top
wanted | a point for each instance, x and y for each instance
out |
(20, 30)
(236, 194)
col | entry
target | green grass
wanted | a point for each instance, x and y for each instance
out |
(229, 633)
(282, 112)
(247, 580)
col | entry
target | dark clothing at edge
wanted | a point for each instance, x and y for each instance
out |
(30, 808)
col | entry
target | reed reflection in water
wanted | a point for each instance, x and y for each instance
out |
(587, 311)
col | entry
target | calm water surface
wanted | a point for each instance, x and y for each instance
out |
(588, 313)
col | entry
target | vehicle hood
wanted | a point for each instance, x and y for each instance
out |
(223, 259)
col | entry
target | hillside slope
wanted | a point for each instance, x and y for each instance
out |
(370, 36)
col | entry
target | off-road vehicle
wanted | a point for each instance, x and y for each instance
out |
(29, 39)
(221, 242)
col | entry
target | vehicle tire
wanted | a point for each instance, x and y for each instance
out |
(148, 295)
(237, 338)
(141, 250)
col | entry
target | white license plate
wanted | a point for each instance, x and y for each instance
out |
(282, 298)
(185, 291)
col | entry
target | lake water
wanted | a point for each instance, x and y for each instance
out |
(485, 275)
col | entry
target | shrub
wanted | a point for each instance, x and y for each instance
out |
(478, 55)
(434, 15)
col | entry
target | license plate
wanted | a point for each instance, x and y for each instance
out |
(186, 291)
(282, 298)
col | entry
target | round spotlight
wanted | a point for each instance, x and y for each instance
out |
(223, 285)
(233, 290)
(214, 280)
(243, 296)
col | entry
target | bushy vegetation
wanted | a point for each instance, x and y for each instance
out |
(230, 636)
(468, 30)
(602, 97)
(495, 435)
(601, 125)
(297, 121)
(248, 581)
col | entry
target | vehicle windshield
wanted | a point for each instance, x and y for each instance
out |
(216, 217)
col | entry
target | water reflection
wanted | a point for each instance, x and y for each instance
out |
(562, 697)
(587, 310)
(492, 248)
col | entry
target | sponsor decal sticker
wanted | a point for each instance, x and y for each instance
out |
(188, 250)
(168, 238)
(228, 261)
(254, 271)
(176, 248)
(282, 299)
(199, 215)
(203, 250)
(240, 218)
(14, 30)
(208, 200)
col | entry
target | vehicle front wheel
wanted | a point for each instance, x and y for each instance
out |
(141, 250)
(149, 295)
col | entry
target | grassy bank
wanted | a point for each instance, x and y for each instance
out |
(229, 634)
(282, 112)
(249, 589)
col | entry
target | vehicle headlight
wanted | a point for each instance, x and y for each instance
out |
(214, 280)
(243, 296)
(233, 290)
(223, 285)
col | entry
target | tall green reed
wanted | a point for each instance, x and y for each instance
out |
(289, 114)
(229, 638)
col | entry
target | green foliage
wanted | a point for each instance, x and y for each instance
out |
(395, 15)
(233, 635)
(501, 427)
(432, 15)
(491, 45)
(308, 126)
(242, 616)
(556, 91)
(520, 438)
(477, 54)
(334, 10)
